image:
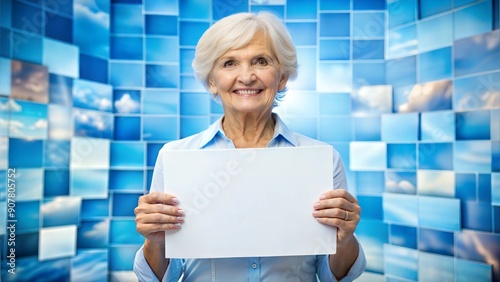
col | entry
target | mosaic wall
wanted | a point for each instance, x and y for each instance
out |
(407, 91)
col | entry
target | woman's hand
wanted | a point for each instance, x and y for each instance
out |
(155, 213)
(340, 209)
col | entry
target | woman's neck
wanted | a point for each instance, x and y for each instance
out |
(248, 130)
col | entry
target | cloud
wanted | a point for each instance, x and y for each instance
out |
(402, 257)
(404, 46)
(4, 123)
(92, 124)
(37, 82)
(404, 186)
(89, 266)
(99, 230)
(88, 10)
(126, 104)
(93, 119)
(81, 117)
(475, 242)
(428, 97)
(10, 105)
(81, 94)
(91, 95)
(99, 123)
(92, 15)
(15, 127)
(104, 104)
(491, 99)
(373, 99)
(490, 41)
(29, 82)
(57, 153)
(28, 128)
(473, 157)
(32, 269)
(61, 205)
(395, 36)
(39, 124)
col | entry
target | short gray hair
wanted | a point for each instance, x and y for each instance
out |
(236, 31)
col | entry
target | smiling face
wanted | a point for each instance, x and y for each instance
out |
(248, 78)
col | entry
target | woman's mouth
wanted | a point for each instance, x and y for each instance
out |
(247, 91)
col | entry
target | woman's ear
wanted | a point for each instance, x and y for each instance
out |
(283, 81)
(212, 88)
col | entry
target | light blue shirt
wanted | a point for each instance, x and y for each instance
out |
(272, 269)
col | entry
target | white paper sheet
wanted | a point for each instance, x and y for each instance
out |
(249, 202)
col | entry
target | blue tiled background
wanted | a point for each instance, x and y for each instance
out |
(407, 91)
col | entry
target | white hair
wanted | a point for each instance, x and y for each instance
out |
(236, 31)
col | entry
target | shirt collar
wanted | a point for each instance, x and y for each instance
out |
(280, 131)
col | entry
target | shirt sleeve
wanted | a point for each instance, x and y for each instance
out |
(323, 267)
(142, 269)
(145, 274)
(141, 266)
(339, 176)
(325, 274)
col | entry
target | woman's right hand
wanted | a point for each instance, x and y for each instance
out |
(155, 213)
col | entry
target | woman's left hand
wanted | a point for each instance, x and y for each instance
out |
(340, 209)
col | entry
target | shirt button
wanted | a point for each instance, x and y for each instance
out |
(254, 265)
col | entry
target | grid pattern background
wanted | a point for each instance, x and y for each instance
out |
(408, 91)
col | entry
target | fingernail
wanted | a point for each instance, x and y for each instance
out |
(322, 197)
(177, 225)
(180, 212)
(315, 213)
(180, 218)
(317, 205)
(175, 200)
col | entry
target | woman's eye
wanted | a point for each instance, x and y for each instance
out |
(261, 62)
(228, 64)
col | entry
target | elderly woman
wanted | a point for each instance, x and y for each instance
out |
(245, 61)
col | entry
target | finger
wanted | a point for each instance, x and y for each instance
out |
(331, 221)
(146, 208)
(338, 193)
(333, 203)
(150, 223)
(158, 218)
(330, 213)
(342, 222)
(158, 197)
(147, 229)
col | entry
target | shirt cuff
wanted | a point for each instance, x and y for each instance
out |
(357, 268)
(144, 273)
(142, 269)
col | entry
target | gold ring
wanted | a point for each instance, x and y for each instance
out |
(346, 215)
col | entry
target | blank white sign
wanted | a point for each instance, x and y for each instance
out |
(249, 202)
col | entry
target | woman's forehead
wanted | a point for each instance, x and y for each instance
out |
(259, 43)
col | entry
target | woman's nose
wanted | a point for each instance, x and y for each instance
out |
(247, 75)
